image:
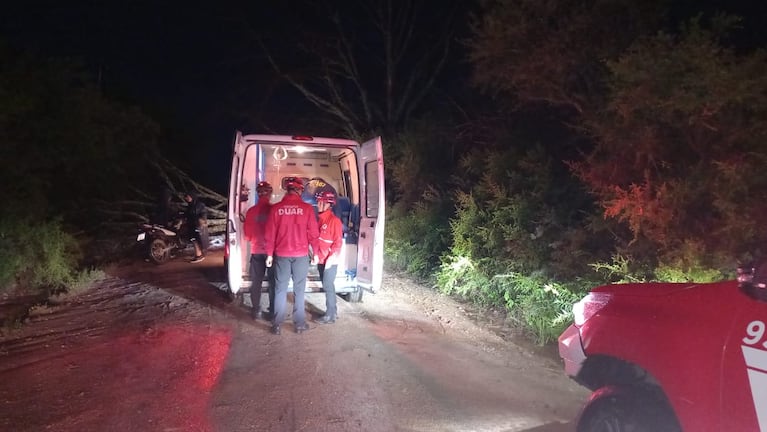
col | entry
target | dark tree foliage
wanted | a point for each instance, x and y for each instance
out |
(552, 52)
(64, 147)
(65, 151)
(680, 142)
(672, 120)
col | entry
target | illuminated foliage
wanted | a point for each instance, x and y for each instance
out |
(672, 121)
(680, 142)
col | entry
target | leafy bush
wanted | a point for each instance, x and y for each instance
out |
(512, 221)
(415, 239)
(543, 307)
(621, 269)
(683, 265)
(687, 264)
(461, 276)
(81, 282)
(35, 257)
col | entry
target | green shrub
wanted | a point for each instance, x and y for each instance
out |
(416, 238)
(543, 307)
(459, 275)
(621, 269)
(35, 257)
(696, 274)
(688, 263)
(81, 282)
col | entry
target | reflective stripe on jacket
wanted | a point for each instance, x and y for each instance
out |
(331, 235)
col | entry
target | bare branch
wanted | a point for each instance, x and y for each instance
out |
(317, 100)
(346, 52)
(408, 104)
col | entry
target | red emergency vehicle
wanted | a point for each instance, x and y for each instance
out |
(671, 356)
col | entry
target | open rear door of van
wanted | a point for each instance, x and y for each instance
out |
(233, 247)
(372, 216)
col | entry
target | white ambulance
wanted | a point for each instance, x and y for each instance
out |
(353, 170)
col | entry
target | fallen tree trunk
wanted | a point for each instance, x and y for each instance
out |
(130, 213)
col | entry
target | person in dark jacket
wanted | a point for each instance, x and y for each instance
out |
(197, 223)
(290, 229)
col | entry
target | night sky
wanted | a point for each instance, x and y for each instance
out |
(191, 66)
(197, 68)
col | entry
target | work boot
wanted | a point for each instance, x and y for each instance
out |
(276, 329)
(256, 314)
(326, 319)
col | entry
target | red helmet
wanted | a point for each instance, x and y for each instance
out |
(294, 183)
(264, 188)
(327, 196)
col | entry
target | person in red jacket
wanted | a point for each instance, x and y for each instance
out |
(290, 230)
(255, 233)
(329, 252)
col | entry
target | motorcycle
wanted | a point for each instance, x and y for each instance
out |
(163, 243)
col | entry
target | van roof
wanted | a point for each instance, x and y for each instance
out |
(300, 139)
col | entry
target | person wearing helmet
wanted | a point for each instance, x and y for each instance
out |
(290, 230)
(255, 233)
(329, 252)
(314, 187)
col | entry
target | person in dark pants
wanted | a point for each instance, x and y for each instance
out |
(197, 223)
(290, 230)
(255, 232)
(329, 252)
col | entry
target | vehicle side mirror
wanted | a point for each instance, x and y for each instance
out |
(752, 280)
(745, 274)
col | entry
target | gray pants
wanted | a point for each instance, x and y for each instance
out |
(258, 270)
(328, 275)
(284, 269)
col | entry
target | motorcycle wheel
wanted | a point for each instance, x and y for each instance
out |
(159, 252)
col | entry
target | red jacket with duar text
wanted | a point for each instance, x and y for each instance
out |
(255, 225)
(291, 228)
(331, 236)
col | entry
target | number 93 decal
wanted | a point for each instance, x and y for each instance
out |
(755, 331)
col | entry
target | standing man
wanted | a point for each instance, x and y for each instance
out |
(255, 232)
(329, 252)
(290, 230)
(197, 224)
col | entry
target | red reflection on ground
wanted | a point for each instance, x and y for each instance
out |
(184, 403)
(159, 378)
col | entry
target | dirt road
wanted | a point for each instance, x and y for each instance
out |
(161, 349)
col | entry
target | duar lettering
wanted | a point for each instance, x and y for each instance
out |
(290, 211)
